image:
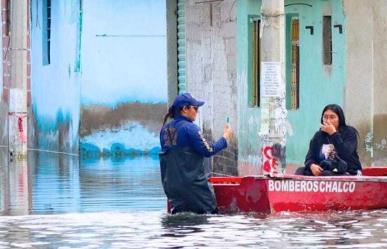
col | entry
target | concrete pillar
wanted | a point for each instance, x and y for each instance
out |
(17, 115)
(273, 108)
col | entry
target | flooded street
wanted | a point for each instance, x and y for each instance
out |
(56, 202)
(97, 185)
(155, 229)
(91, 91)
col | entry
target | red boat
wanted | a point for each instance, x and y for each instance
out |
(302, 193)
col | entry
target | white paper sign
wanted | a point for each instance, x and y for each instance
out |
(17, 100)
(271, 79)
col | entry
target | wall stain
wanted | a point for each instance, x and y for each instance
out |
(380, 139)
(98, 117)
(373, 145)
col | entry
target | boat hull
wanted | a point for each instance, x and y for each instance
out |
(300, 193)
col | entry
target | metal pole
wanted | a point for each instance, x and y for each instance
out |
(273, 108)
(17, 115)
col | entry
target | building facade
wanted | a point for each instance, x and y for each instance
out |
(98, 76)
(202, 38)
(92, 78)
(56, 74)
(332, 56)
(124, 79)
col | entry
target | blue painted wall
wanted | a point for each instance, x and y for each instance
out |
(124, 84)
(124, 52)
(55, 88)
(107, 75)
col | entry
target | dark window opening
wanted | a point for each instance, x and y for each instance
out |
(255, 63)
(7, 10)
(295, 64)
(327, 40)
(46, 32)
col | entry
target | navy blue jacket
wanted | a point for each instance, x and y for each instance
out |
(183, 175)
(345, 142)
(184, 133)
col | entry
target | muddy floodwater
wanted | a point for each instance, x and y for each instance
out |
(59, 202)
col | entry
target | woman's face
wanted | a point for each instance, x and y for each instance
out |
(190, 112)
(331, 118)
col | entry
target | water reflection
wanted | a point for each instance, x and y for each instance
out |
(120, 204)
(53, 183)
(15, 186)
(130, 184)
(4, 189)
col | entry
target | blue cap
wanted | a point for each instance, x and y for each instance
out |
(185, 99)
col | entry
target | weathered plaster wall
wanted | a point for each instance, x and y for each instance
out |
(211, 70)
(366, 97)
(171, 16)
(319, 84)
(5, 75)
(109, 57)
(56, 86)
(124, 76)
(249, 118)
(380, 83)
(3, 124)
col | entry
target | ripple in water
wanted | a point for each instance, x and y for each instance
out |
(366, 229)
(108, 204)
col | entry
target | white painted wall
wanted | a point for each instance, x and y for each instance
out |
(124, 52)
(55, 88)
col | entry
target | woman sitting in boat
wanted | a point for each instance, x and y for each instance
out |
(333, 149)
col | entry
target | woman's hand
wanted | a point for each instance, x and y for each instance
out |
(316, 169)
(227, 132)
(328, 127)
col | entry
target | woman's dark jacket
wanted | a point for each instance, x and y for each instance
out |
(345, 142)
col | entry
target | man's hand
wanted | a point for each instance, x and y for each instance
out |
(316, 169)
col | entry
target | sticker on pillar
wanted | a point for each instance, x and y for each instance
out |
(21, 125)
(18, 128)
(273, 160)
(269, 163)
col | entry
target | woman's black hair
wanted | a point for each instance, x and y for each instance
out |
(171, 113)
(339, 112)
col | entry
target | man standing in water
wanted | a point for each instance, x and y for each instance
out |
(183, 176)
